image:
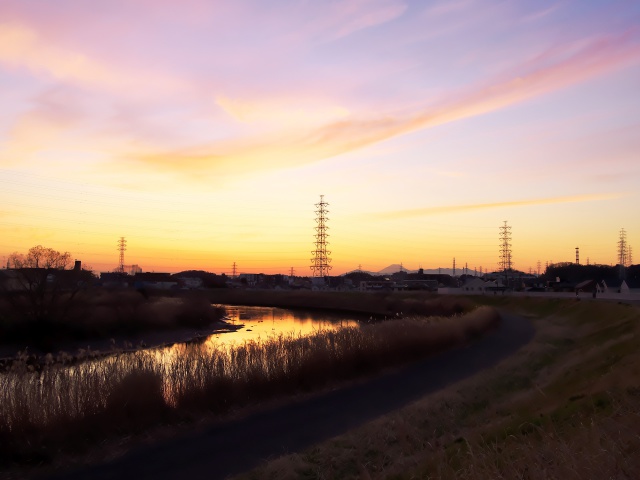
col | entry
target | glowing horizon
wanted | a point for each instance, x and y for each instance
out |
(205, 132)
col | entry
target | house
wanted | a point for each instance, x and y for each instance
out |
(161, 281)
(475, 285)
(587, 286)
(115, 279)
(191, 282)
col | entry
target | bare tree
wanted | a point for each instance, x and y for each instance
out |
(40, 257)
(39, 286)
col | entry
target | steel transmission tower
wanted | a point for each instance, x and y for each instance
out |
(320, 261)
(622, 251)
(505, 247)
(122, 246)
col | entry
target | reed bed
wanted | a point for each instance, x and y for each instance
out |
(70, 407)
(96, 314)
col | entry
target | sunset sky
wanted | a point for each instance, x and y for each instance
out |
(204, 131)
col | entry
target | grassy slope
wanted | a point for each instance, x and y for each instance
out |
(567, 406)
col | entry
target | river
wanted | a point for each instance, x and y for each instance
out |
(259, 323)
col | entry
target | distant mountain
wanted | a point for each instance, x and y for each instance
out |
(396, 267)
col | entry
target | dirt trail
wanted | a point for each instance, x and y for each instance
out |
(239, 445)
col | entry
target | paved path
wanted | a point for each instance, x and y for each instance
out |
(239, 445)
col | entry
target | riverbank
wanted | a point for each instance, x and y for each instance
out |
(104, 320)
(566, 406)
(379, 305)
(100, 319)
(66, 413)
(219, 449)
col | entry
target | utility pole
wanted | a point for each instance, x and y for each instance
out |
(320, 261)
(538, 267)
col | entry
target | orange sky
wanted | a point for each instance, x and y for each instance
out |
(205, 133)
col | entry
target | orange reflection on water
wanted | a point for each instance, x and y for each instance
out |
(260, 323)
(182, 361)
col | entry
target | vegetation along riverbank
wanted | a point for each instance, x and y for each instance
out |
(99, 314)
(67, 410)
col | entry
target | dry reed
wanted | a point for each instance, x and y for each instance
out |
(67, 407)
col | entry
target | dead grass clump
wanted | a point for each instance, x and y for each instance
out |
(137, 400)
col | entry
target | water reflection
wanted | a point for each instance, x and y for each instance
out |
(260, 323)
(182, 368)
(255, 324)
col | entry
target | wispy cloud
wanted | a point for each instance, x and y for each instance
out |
(427, 211)
(328, 21)
(22, 47)
(282, 112)
(555, 69)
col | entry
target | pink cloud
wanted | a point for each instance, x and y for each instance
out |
(422, 212)
(554, 70)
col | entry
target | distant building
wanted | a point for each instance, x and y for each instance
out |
(190, 282)
(161, 281)
(114, 279)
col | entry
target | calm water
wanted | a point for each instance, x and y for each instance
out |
(176, 362)
(260, 323)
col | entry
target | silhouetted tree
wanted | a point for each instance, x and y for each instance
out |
(38, 285)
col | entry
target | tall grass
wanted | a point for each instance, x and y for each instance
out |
(67, 407)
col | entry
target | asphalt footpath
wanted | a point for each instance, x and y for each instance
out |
(238, 445)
